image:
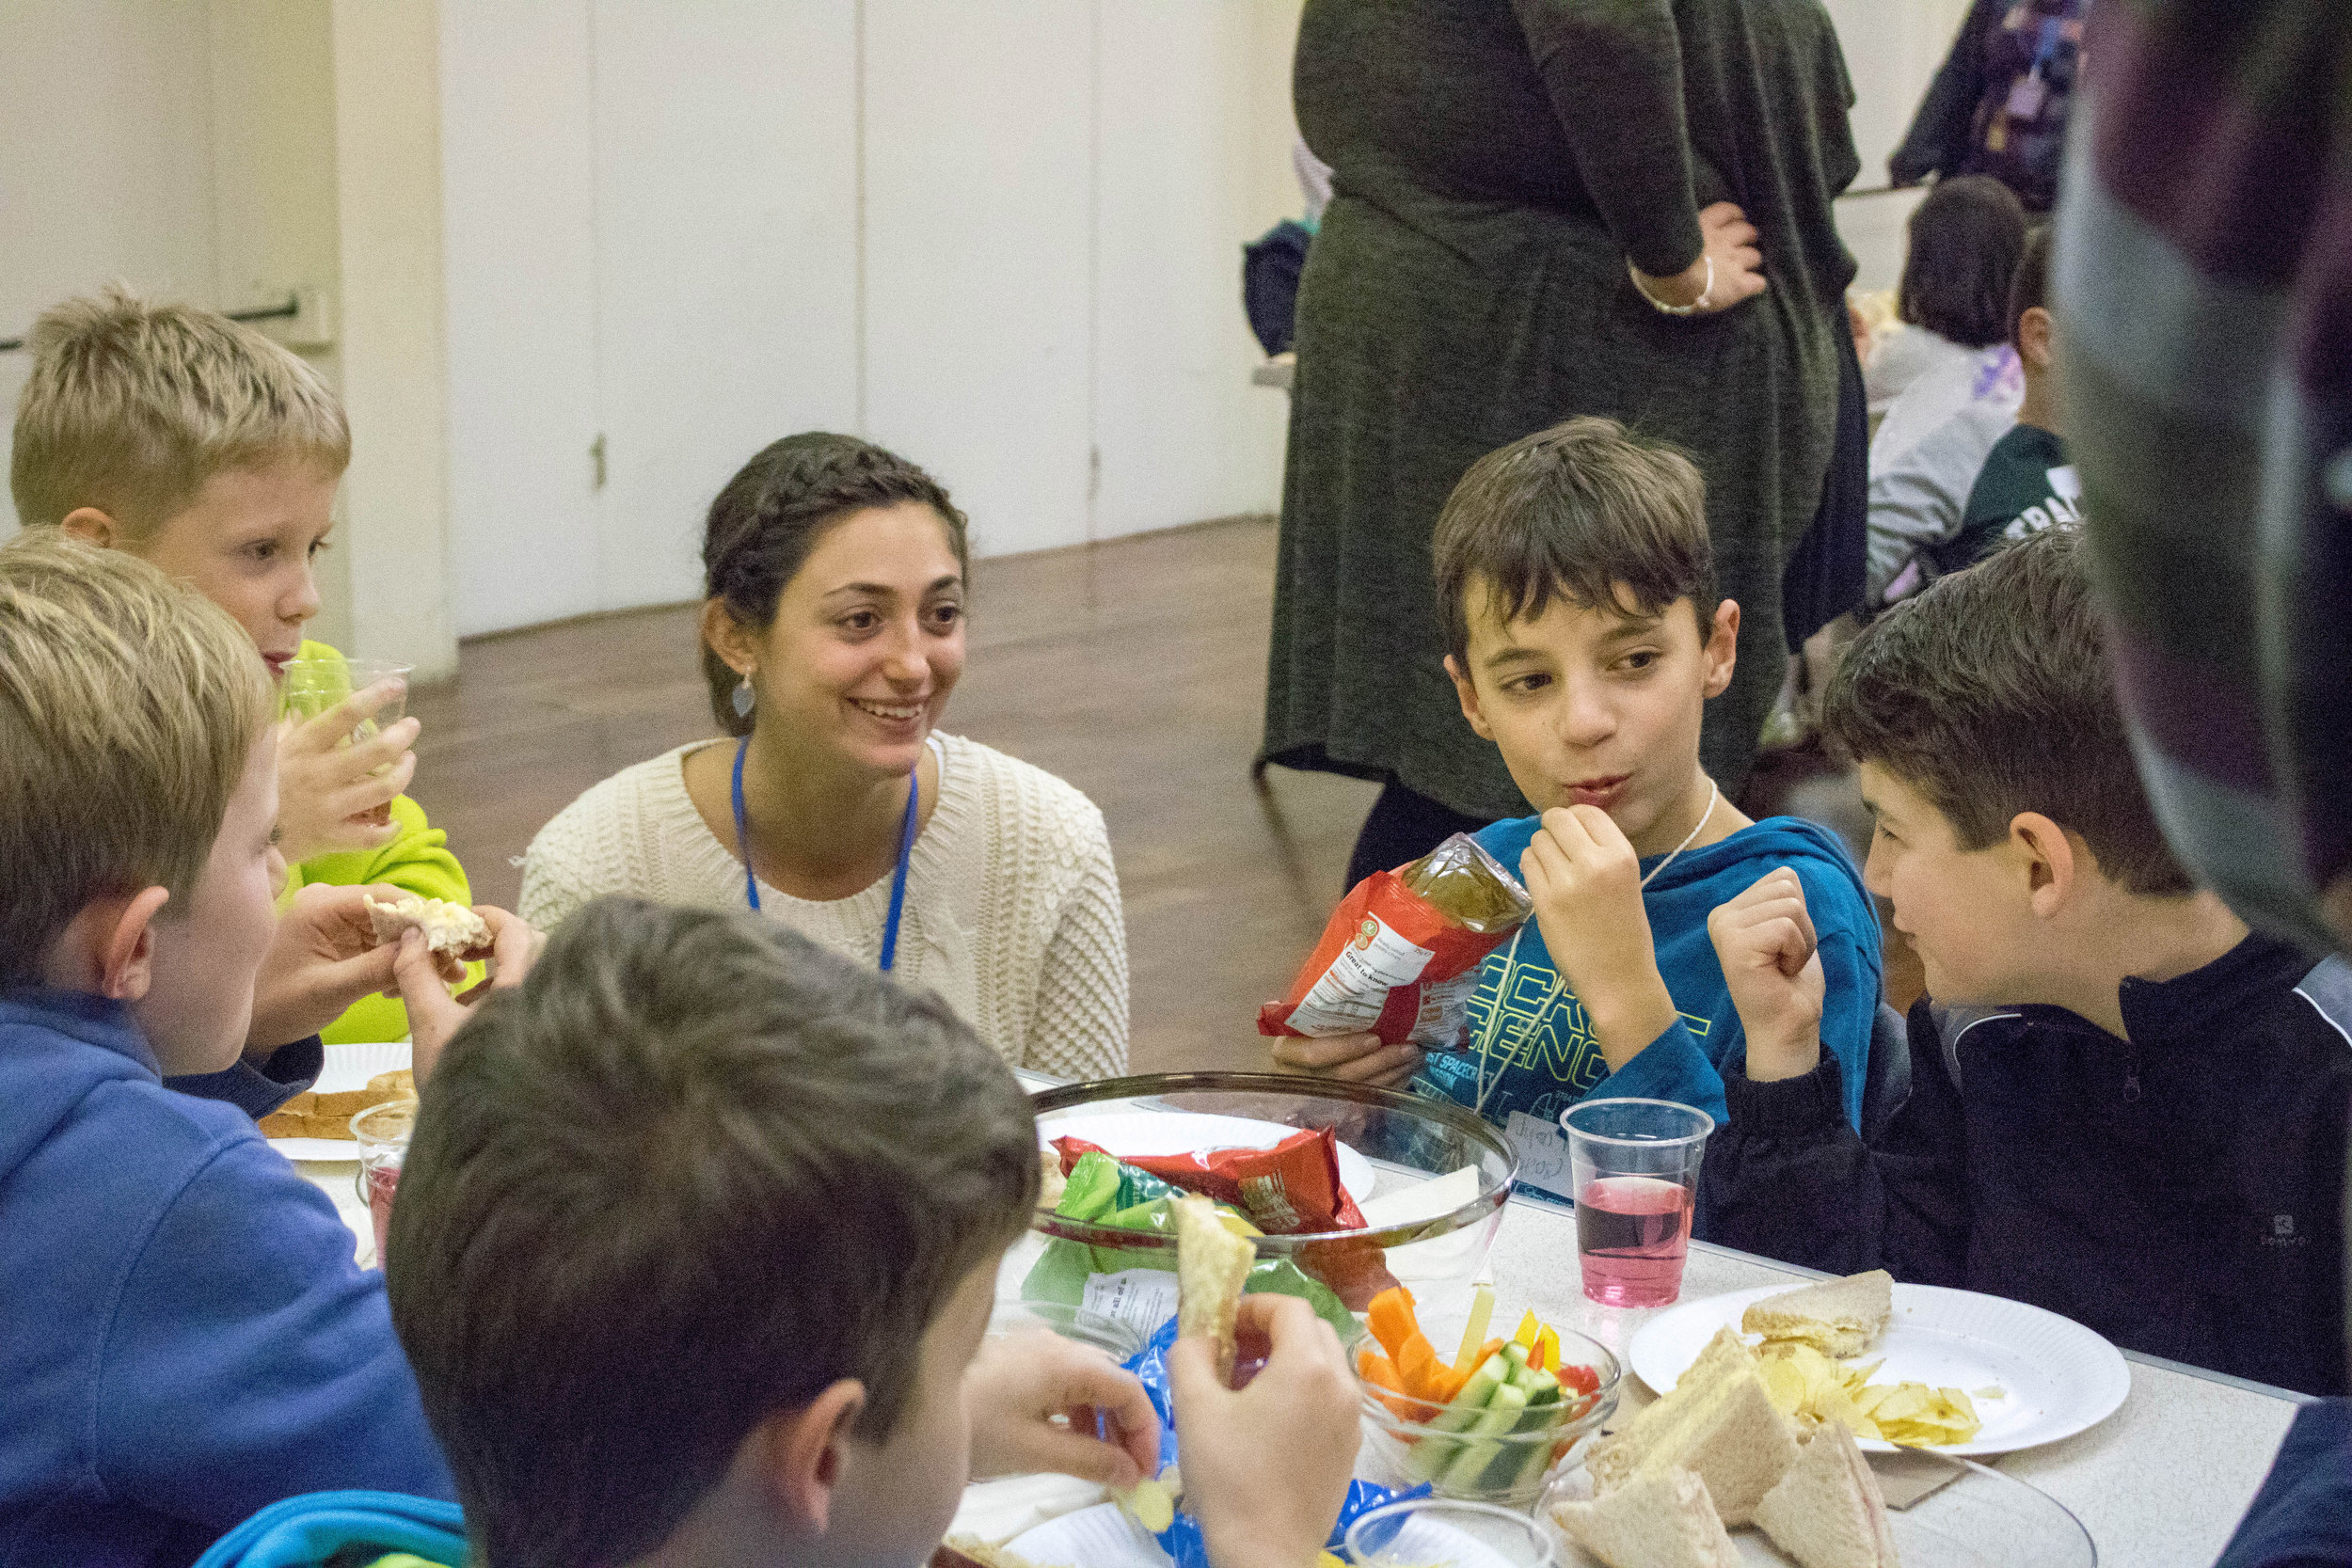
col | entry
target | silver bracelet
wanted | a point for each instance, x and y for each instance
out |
(1661, 306)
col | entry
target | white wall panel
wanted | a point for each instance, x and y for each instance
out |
(518, 201)
(1184, 435)
(977, 230)
(726, 248)
(105, 163)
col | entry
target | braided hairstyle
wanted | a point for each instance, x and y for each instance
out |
(764, 525)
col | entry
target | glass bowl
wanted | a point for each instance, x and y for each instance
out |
(1392, 1144)
(1116, 1337)
(1408, 1442)
(1421, 1530)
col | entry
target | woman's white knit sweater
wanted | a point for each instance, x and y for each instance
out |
(1011, 914)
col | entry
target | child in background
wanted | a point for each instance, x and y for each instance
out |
(205, 449)
(2027, 484)
(1954, 300)
(2123, 1106)
(1578, 586)
(184, 1335)
(695, 1247)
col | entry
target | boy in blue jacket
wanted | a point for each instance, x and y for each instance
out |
(1578, 585)
(183, 1335)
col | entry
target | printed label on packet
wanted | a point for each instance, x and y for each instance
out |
(1354, 990)
(1144, 1297)
(1444, 1024)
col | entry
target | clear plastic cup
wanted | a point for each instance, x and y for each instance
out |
(1422, 1531)
(312, 685)
(382, 1132)
(1635, 1168)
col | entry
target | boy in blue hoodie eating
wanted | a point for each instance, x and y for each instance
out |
(183, 1335)
(1578, 585)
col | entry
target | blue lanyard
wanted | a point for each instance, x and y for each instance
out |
(897, 879)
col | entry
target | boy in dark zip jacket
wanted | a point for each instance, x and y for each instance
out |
(2125, 1107)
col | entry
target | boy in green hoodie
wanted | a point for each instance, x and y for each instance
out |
(213, 453)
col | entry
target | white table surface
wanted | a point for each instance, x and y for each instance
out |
(2160, 1483)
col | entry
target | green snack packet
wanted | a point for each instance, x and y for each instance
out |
(1104, 1191)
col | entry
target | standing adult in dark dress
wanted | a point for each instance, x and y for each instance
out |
(1523, 190)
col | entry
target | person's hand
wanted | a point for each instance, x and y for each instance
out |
(1772, 965)
(1584, 877)
(1018, 1385)
(1266, 1468)
(433, 1015)
(1351, 1058)
(321, 959)
(328, 786)
(1727, 240)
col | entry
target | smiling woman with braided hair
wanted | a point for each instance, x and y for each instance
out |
(833, 632)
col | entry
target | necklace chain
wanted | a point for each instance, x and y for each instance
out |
(1511, 962)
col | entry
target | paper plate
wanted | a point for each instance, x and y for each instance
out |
(1186, 1131)
(1105, 1537)
(2056, 1377)
(1983, 1519)
(347, 1067)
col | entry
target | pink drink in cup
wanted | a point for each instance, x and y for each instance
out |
(1636, 1171)
(382, 1132)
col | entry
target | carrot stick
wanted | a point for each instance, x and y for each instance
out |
(1390, 1317)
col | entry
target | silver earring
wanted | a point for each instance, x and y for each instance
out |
(744, 697)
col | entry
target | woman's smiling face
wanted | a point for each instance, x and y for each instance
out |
(867, 640)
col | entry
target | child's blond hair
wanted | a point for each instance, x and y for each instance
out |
(129, 704)
(132, 406)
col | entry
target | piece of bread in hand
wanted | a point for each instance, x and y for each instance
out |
(1212, 1266)
(448, 928)
(1662, 1518)
(1837, 1317)
(1827, 1510)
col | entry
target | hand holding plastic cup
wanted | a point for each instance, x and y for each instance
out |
(313, 686)
(382, 1132)
(1635, 1168)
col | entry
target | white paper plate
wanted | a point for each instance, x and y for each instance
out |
(1984, 1519)
(1185, 1132)
(347, 1067)
(2058, 1377)
(1105, 1537)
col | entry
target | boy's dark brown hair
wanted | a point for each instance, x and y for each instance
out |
(692, 1172)
(2031, 288)
(1965, 242)
(1989, 694)
(1586, 511)
(763, 526)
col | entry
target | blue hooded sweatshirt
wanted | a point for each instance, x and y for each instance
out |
(184, 1335)
(1532, 1054)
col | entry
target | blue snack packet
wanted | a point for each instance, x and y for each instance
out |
(1182, 1540)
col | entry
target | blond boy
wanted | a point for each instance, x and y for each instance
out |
(183, 1335)
(205, 449)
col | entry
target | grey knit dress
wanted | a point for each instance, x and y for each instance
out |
(1496, 163)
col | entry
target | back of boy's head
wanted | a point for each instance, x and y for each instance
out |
(1586, 511)
(694, 1170)
(129, 704)
(2030, 289)
(1989, 695)
(132, 406)
(1965, 242)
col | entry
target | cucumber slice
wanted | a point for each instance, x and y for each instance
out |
(1465, 1409)
(1479, 1448)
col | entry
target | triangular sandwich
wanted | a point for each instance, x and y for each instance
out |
(1662, 1518)
(1827, 1510)
(1838, 1317)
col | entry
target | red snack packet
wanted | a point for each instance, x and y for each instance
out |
(1292, 1187)
(1399, 955)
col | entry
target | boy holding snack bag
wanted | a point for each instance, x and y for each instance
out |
(211, 451)
(183, 1335)
(2125, 1107)
(1578, 584)
(697, 1245)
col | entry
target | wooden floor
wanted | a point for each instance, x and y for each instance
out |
(1135, 668)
